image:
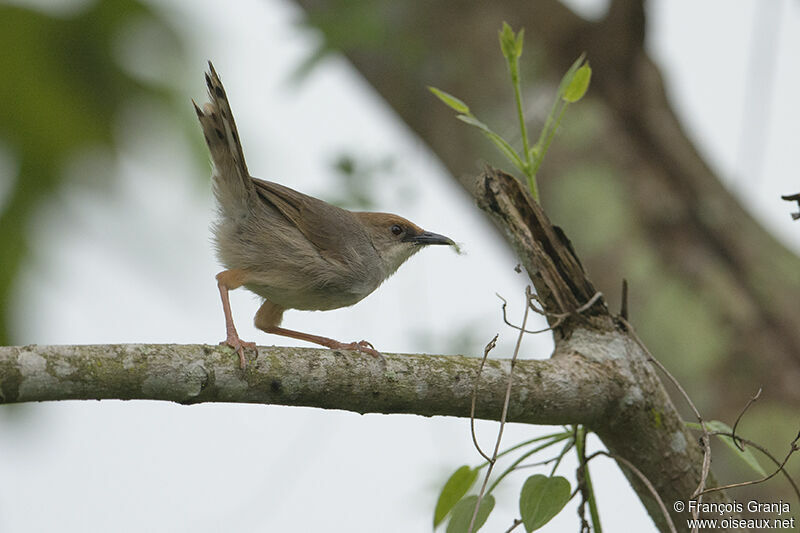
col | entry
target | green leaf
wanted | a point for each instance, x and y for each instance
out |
(454, 489)
(566, 80)
(64, 83)
(451, 101)
(508, 151)
(462, 514)
(746, 455)
(501, 143)
(519, 41)
(578, 85)
(471, 120)
(541, 499)
(508, 43)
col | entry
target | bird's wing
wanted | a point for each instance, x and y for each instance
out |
(330, 229)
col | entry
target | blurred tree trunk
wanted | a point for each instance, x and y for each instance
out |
(713, 294)
(712, 291)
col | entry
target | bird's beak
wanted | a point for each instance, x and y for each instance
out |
(427, 237)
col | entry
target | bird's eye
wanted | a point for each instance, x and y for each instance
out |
(396, 229)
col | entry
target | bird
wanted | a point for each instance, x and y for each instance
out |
(291, 249)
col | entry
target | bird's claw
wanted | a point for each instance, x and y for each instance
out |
(365, 347)
(238, 346)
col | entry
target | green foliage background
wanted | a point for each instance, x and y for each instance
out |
(62, 88)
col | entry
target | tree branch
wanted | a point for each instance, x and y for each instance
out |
(568, 388)
(597, 378)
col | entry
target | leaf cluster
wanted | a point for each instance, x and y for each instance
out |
(571, 89)
(541, 497)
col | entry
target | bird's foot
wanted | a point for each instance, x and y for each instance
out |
(238, 346)
(363, 347)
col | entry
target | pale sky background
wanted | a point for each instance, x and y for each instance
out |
(138, 267)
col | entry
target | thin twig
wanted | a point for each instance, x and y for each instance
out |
(582, 513)
(539, 463)
(555, 437)
(793, 447)
(522, 457)
(489, 347)
(750, 402)
(559, 317)
(596, 296)
(567, 447)
(623, 310)
(538, 310)
(517, 521)
(644, 480)
(535, 298)
(580, 481)
(705, 439)
(585, 480)
(503, 414)
(509, 324)
(771, 458)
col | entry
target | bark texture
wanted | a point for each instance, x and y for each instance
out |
(555, 391)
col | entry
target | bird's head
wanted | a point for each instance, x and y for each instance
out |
(396, 239)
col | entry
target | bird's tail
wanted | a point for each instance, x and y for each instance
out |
(232, 184)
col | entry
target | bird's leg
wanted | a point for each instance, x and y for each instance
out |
(360, 346)
(269, 316)
(228, 280)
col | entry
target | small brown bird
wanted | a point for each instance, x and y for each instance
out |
(293, 250)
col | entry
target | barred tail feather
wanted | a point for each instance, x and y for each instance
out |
(233, 186)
